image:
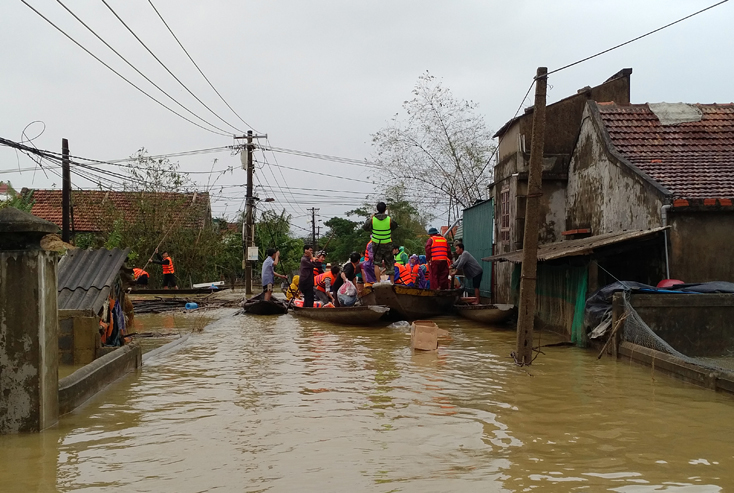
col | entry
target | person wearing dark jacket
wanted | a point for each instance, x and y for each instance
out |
(166, 262)
(381, 226)
(305, 273)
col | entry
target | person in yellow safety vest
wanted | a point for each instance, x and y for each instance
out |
(292, 291)
(140, 276)
(166, 262)
(381, 226)
(322, 284)
(407, 275)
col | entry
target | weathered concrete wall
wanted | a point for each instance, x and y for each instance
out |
(701, 245)
(604, 194)
(697, 325)
(78, 387)
(28, 341)
(78, 339)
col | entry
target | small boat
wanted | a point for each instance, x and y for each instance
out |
(346, 315)
(487, 314)
(411, 303)
(258, 306)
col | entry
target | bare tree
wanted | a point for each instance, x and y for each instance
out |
(439, 149)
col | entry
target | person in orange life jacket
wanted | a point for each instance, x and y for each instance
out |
(408, 275)
(141, 277)
(437, 255)
(471, 268)
(165, 261)
(381, 226)
(322, 285)
(318, 261)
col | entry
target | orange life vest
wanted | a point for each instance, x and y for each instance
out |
(439, 248)
(320, 281)
(139, 272)
(168, 268)
(367, 251)
(407, 274)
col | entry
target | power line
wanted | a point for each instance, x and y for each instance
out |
(165, 67)
(119, 74)
(197, 67)
(134, 67)
(635, 39)
(322, 174)
(323, 157)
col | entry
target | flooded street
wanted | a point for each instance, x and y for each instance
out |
(282, 404)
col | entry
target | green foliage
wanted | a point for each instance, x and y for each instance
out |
(348, 237)
(272, 230)
(16, 200)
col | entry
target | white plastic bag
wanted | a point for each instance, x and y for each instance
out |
(348, 289)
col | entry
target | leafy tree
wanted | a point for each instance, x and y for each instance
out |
(440, 148)
(346, 237)
(21, 202)
(272, 230)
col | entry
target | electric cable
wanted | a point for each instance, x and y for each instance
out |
(165, 67)
(118, 73)
(199, 69)
(134, 67)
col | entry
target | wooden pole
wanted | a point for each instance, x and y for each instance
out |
(65, 190)
(528, 280)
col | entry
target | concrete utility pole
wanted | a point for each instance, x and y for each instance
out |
(528, 279)
(65, 190)
(248, 227)
(313, 226)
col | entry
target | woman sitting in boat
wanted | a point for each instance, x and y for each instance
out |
(408, 275)
(292, 291)
(424, 281)
(368, 266)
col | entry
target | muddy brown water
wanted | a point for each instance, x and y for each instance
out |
(281, 404)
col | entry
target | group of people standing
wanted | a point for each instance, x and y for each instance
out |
(325, 284)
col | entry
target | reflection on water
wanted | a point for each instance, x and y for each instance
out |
(286, 404)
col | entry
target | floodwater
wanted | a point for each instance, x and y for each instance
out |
(280, 404)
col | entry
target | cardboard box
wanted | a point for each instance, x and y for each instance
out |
(424, 335)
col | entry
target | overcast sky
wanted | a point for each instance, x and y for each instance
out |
(321, 76)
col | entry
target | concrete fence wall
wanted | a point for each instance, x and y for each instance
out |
(81, 385)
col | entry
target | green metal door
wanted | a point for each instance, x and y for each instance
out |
(478, 222)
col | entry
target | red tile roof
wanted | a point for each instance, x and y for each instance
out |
(92, 206)
(693, 160)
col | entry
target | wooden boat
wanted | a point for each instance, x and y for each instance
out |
(258, 306)
(411, 303)
(351, 315)
(487, 314)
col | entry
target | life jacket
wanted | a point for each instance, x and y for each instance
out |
(367, 251)
(381, 230)
(319, 269)
(168, 269)
(139, 272)
(320, 281)
(439, 248)
(407, 274)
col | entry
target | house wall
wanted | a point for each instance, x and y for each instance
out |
(701, 245)
(477, 237)
(605, 194)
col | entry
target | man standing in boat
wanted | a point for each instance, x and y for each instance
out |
(305, 273)
(381, 226)
(471, 268)
(437, 254)
(269, 274)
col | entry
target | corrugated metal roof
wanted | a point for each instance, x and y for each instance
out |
(571, 248)
(86, 276)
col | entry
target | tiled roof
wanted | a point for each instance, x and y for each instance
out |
(85, 278)
(92, 206)
(693, 160)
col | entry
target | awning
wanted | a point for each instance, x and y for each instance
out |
(571, 248)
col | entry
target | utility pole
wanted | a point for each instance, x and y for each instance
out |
(65, 190)
(248, 227)
(313, 225)
(528, 276)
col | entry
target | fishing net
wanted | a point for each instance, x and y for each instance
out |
(636, 331)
